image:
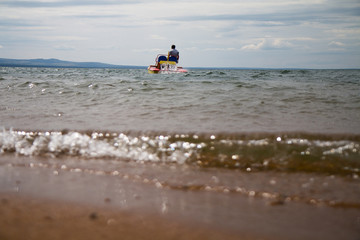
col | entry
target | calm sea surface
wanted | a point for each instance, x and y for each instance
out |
(206, 101)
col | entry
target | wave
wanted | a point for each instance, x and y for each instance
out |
(249, 152)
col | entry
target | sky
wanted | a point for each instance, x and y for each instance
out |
(207, 33)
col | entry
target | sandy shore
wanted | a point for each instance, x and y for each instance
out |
(29, 218)
(74, 199)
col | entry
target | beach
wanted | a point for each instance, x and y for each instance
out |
(47, 203)
(33, 218)
(210, 154)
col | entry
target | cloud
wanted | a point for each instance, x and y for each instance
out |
(268, 44)
(253, 46)
(277, 17)
(97, 16)
(353, 32)
(151, 50)
(219, 49)
(336, 44)
(15, 22)
(61, 38)
(1, 46)
(209, 29)
(157, 37)
(191, 49)
(65, 3)
(64, 48)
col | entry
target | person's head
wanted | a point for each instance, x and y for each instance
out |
(173, 47)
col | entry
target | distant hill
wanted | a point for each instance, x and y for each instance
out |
(4, 62)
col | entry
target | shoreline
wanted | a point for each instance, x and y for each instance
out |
(47, 197)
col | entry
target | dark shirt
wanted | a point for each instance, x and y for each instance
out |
(174, 53)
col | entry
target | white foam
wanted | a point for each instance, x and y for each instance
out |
(96, 145)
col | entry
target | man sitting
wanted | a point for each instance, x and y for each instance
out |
(173, 54)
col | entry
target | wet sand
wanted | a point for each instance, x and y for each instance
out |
(41, 199)
(32, 218)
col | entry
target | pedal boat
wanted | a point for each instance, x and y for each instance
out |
(165, 64)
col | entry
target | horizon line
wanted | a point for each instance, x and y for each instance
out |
(30, 63)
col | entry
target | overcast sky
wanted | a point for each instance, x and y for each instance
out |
(208, 33)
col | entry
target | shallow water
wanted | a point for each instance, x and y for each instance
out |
(282, 152)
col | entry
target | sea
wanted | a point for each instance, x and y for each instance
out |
(280, 135)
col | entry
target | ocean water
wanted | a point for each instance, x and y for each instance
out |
(270, 122)
(247, 119)
(201, 101)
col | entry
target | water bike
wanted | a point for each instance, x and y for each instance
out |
(165, 64)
